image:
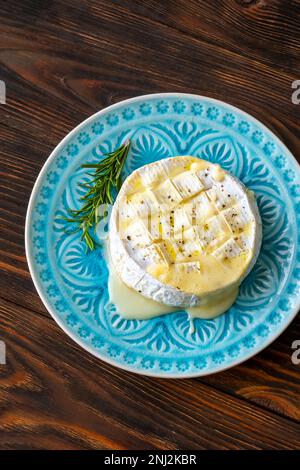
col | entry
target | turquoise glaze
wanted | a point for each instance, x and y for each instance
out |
(73, 284)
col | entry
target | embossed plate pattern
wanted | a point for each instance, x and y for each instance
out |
(73, 284)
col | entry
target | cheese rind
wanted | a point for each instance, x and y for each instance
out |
(192, 231)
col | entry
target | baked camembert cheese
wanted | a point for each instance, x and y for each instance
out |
(183, 233)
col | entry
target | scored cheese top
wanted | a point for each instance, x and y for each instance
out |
(183, 230)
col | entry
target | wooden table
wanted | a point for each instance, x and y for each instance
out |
(61, 62)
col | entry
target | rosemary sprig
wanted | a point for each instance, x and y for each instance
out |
(107, 175)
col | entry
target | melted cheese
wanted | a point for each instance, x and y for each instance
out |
(133, 305)
(219, 173)
(129, 303)
(211, 275)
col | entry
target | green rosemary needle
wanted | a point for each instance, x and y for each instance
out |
(107, 175)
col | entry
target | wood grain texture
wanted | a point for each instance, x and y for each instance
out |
(79, 402)
(62, 61)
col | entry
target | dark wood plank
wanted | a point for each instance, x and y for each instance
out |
(266, 31)
(144, 54)
(50, 399)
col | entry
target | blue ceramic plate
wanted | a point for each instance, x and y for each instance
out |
(73, 284)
